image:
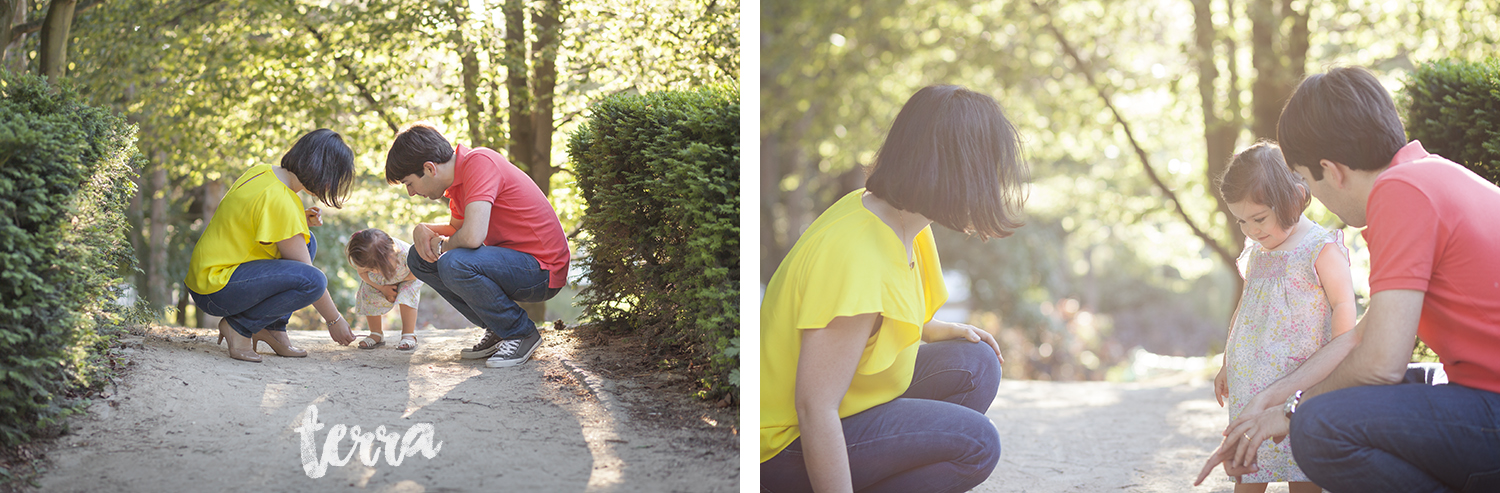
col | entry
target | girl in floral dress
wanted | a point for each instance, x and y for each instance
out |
(387, 282)
(1298, 296)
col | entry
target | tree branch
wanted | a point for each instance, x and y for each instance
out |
(36, 25)
(1140, 152)
(364, 91)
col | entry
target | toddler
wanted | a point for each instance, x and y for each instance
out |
(1298, 296)
(387, 282)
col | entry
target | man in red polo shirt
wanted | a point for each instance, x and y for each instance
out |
(1434, 272)
(502, 244)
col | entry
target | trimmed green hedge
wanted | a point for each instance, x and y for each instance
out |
(65, 183)
(660, 173)
(1453, 107)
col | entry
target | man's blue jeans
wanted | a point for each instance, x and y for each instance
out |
(262, 294)
(1405, 438)
(485, 284)
(934, 438)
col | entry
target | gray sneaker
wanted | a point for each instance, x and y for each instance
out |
(513, 352)
(484, 349)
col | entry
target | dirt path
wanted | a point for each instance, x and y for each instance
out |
(187, 418)
(1098, 436)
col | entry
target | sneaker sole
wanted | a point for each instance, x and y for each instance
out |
(507, 363)
(470, 354)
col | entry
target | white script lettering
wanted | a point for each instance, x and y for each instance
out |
(418, 440)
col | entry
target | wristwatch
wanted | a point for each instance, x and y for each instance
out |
(1291, 404)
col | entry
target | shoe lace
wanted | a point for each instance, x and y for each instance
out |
(509, 347)
(489, 340)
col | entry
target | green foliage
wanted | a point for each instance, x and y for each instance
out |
(660, 175)
(1453, 107)
(65, 172)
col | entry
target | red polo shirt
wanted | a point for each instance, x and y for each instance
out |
(521, 219)
(1432, 228)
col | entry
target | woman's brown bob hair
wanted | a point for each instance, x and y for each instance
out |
(952, 157)
(1259, 173)
(324, 164)
(373, 249)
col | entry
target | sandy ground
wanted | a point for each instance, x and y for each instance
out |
(187, 418)
(1098, 436)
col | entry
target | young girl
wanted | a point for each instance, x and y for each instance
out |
(381, 261)
(1298, 296)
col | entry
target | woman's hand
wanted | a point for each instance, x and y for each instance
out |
(937, 330)
(314, 216)
(1221, 385)
(339, 331)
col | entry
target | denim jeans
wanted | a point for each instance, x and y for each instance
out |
(1400, 438)
(933, 438)
(262, 294)
(485, 284)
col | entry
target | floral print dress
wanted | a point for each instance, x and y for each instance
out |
(1284, 317)
(369, 302)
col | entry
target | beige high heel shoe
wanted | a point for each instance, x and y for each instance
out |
(240, 347)
(282, 348)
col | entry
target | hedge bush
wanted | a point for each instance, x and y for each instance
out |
(65, 183)
(1453, 107)
(660, 173)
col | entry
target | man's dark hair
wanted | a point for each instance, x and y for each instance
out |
(415, 145)
(324, 164)
(953, 157)
(1344, 116)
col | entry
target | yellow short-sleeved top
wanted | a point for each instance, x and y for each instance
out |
(258, 211)
(847, 263)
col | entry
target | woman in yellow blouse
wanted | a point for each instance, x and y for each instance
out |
(850, 401)
(253, 264)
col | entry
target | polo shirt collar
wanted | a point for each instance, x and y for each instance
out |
(1412, 151)
(460, 153)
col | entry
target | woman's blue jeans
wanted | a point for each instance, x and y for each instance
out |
(262, 294)
(934, 438)
(485, 284)
(1405, 438)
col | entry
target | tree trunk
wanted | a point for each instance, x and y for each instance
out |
(182, 304)
(771, 251)
(522, 136)
(156, 271)
(469, 61)
(1296, 45)
(213, 193)
(10, 11)
(547, 21)
(1219, 132)
(54, 50)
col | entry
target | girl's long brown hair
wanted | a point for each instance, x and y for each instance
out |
(373, 249)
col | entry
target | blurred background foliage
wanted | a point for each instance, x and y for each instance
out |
(1127, 109)
(216, 86)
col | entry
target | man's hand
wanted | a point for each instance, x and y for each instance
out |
(424, 240)
(1222, 456)
(1253, 429)
(314, 216)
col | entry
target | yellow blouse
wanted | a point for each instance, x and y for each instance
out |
(258, 211)
(847, 263)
